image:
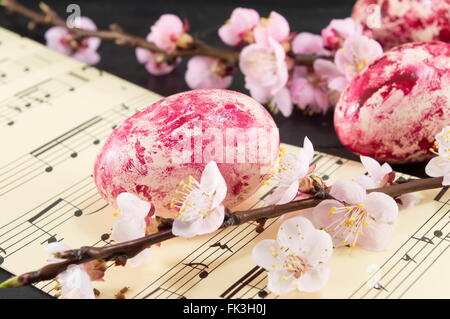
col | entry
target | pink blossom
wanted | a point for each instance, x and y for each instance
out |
(61, 39)
(309, 43)
(440, 165)
(356, 54)
(166, 32)
(297, 259)
(154, 62)
(338, 30)
(239, 28)
(266, 74)
(355, 217)
(275, 27)
(205, 73)
(315, 88)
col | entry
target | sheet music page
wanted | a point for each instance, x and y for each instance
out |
(55, 114)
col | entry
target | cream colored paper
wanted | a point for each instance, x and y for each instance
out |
(55, 113)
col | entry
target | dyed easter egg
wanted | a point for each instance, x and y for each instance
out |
(394, 108)
(393, 22)
(175, 137)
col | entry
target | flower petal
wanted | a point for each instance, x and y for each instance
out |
(381, 207)
(314, 279)
(375, 237)
(321, 213)
(283, 102)
(267, 254)
(131, 205)
(435, 167)
(282, 195)
(281, 282)
(348, 191)
(365, 181)
(212, 181)
(308, 148)
(303, 240)
(87, 56)
(75, 283)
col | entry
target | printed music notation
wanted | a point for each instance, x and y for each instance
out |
(47, 194)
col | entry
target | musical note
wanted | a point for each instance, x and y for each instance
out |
(2, 259)
(203, 273)
(242, 282)
(378, 286)
(441, 193)
(424, 239)
(224, 246)
(406, 257)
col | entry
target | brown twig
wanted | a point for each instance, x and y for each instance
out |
(129, 249)
(119, 36)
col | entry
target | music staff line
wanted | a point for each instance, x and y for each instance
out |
(395, 254)
(75, 203)
(14, 69)
(417, 265)
(163, 288)
(416, 242)
(68, 145)
(43, 92)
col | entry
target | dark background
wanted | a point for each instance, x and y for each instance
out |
(205, 17)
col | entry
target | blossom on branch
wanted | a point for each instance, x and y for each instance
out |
(239, 28)
(356, 54)
(62, 40)
(266, 74)
(440, 165)
(169, 32)
(154, 62)
(338, 31)
(75, 281)
(207, 73)
(275, 27)
(318, 87)
(355, 217)
(200, 204)
(132, 224)
(382, 176)
(309, 43)
(296, 260)
(292, 168)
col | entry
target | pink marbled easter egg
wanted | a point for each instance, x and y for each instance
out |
(152, 151)
(395, 107)
(405, 21)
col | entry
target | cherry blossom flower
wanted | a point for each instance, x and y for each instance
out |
(309, 43)
(275, 27)
(238, 29)
(377, 175)
(296, 260)
(132, 224)
(169, 32)
(440, 165)
(356, 54)
(74, 281)
(61, 39)
(382, 176)
(338, 30)
(266, 74)
(292, 168)
(200, 204)
(206, 73)
(355, 217)
(318, 87)
(154, 62)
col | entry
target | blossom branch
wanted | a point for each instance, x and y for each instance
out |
(122, 251)
(120, 37)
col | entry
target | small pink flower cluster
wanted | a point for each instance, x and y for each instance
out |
(267, 57)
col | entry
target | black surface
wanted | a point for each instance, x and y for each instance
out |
(205, 17)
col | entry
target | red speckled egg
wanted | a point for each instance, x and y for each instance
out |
(405, 21)
(395, 107)
(152, 151)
